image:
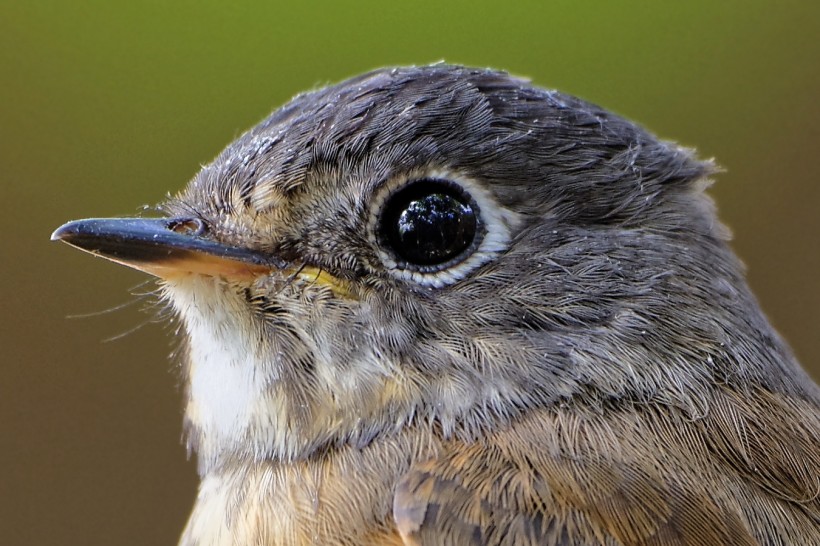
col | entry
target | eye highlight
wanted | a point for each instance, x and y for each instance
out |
(429, 224)
(436, 227)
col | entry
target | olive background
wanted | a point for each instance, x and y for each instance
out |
(106, 106)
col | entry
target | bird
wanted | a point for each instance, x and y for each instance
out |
(441, 305)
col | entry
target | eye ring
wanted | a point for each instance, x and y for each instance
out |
(453, 218)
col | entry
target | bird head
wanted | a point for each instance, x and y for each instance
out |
(442, 247)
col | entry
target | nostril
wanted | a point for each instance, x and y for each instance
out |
(187, 226)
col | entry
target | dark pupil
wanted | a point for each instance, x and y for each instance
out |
(429, 223)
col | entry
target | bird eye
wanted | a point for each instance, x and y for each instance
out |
(436, 227)
(429, 224)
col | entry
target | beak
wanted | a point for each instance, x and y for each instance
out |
(164, 247)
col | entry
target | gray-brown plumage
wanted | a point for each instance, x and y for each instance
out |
(439, 305)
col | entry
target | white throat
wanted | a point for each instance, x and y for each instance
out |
(225, 383)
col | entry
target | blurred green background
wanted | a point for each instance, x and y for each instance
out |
(107, 106)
